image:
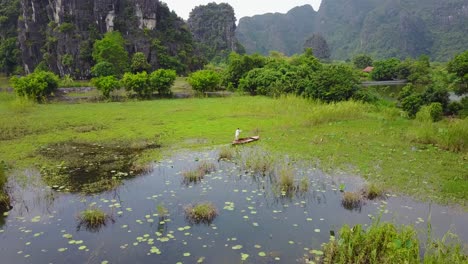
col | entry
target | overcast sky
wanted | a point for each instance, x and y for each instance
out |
(242, 7)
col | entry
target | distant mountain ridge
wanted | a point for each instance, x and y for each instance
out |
(387, 28)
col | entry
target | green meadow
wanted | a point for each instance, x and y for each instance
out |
(377, 142)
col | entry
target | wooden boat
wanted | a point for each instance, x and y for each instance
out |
(245, 140)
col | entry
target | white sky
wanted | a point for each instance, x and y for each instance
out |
(242, 7)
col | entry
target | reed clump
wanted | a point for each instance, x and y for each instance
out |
(93, 219)
(198, 173)
(372, 191)
(226, 153)
(351, 200)
(201, 213)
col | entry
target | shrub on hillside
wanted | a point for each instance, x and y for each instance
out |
(37, 85)
(140, 63)
(106, 85)
(162, 80)
(103, 69)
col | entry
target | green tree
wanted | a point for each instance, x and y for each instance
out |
(362, 61)
(319, 46)
(111, 49)
(260, 81)
(139, 62)
(106, 84)
(138, 83)
(238, 66)
(162, 80)
(333, 83)
(37, 85)
(459, 67)
(103, 69)
(204, 80)
(385, 70)
(9, 54)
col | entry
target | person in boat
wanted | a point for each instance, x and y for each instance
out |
(238, 131)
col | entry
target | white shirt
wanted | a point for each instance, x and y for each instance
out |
(238, 133)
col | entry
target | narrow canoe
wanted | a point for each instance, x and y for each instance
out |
(245, 140)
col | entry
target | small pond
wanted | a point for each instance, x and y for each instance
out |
(253, 219)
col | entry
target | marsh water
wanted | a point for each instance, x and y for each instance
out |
(253, 220)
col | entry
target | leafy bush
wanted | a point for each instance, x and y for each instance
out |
(204, 80)
(333, 83)
(138, 83)
(162, 80)
(238, 66)
(106, 84)
(459, 67)
(411, 104)
(366, 95)
(103, 69)
(454, 108)
(385, 70)
(432, 112)
(260, 81)
(361, 61)
(436, 95)
(140, 63)
(37, 85)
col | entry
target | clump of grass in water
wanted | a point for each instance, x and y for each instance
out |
(351, 200)
(5, 203)
(286, 179)
(258, 161)
(304, 185)
(372, 191)
(199, 173)
(226, 153)
(93, 219)
(201, 213)
(380, 243)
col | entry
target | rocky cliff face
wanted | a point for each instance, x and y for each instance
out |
(384, 28)
(214, 26)
(59, 34)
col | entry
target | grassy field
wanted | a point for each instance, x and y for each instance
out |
(375, 142)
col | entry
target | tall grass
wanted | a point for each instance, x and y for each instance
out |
(226, 153)
(387, 244)
(451, 135)
(316, 112)
(4, 196)
(199, 173)
(380, 243)
(286, 178)
(258, 161)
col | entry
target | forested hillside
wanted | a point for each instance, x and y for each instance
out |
(59, 35)
(389, 28)
(213, 26)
